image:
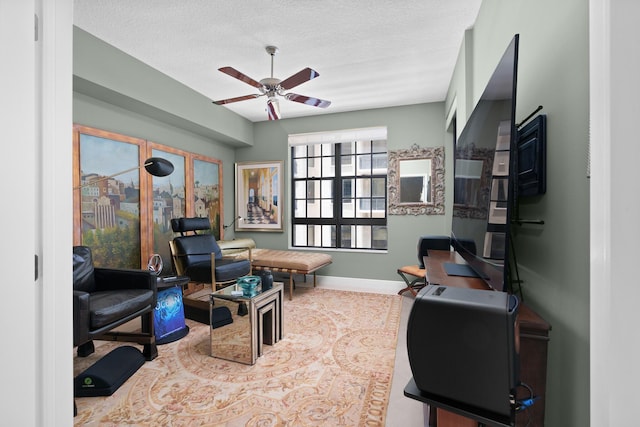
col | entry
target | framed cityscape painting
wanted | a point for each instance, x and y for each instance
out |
(107, 203)
(207, 192)
(124, 213)
(167, 200)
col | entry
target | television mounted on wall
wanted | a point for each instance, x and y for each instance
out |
(485, 178)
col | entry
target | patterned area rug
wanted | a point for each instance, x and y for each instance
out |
(333, 367)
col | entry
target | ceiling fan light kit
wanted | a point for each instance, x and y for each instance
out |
(273, 87)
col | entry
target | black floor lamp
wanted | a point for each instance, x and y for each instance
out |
(156, 166)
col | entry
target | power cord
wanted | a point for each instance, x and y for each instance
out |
(232, 222)
(524, 404)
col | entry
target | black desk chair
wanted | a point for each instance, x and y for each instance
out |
(414, 275)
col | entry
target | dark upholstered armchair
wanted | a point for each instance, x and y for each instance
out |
(105, 298)
(199, 257)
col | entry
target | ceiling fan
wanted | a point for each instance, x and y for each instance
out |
(272, 87)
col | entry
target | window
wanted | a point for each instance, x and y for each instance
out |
(339, 193)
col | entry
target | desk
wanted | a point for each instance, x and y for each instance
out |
(533, 335)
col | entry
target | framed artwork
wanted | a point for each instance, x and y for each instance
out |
(107, 202)
(207, 191)
(259, 201)
(167, 200)
(124, 213)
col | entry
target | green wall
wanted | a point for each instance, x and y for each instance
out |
(553, 259)
(88, 111)
(421, 124)
(108, 74)
(418, 124)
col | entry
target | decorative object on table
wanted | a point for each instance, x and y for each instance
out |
(266, 279)
(249, 285)
(169, 320)
(259, 196)
(155, 264)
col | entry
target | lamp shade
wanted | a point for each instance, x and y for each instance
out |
(273, 108)
(158, 166)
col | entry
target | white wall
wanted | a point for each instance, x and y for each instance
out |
(615, 228)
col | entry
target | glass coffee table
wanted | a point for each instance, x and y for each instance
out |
(241, 324)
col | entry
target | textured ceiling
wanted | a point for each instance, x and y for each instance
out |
(369, 54)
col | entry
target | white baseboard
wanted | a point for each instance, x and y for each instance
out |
(351, 284)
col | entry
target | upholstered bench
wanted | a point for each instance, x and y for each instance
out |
(290, 262)
(281, 261)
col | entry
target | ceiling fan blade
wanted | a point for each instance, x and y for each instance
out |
(240, 76)
(299, 78)
(236, 99)
(316, 102)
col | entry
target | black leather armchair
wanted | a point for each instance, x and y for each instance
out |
(199, 257)
(105, 298)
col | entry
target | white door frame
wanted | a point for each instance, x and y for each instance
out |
(56, 122)
(614, 107)
(36, 114)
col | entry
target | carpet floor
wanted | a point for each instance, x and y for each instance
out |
(333, 367)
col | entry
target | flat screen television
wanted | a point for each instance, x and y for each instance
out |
(485, 177)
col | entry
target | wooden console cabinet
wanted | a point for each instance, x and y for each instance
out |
(533, 333)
